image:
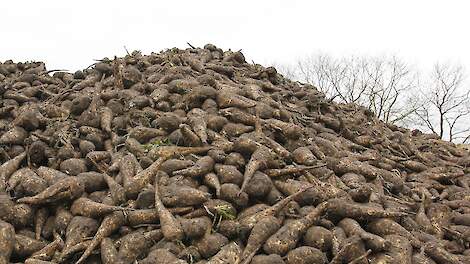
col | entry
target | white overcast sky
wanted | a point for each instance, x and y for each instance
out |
(70, 34)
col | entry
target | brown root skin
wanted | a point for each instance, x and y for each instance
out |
(172, 165)
(211, 180)
(238, 116)
(14, 136)
(422, 219)
(231, 192)
(168, 152)
(456, 204)
(8, 168)
(439, 215)
(252, 210)
(352, 249)
(150, 216)
(385, 226)
(318, 191)
(218, 155)
(80, 227)
(50, 175)
(69, 252)
(361, 194)
(259, 186)
(135, 243)
(144, 134)
(105, 119)
(383, 257)
(374, 242)
(26, 246)
(180, 196)
(198, 124)
(229, 228)
(227, 99)
(37, 152)
(304, 156)
(400, 248)
(7, 241)
(249, 221)
(196, 227)
(6, 110)
(286, 238)
(274, 196)
(258, 160)
(66, 189)
(39, 221)
(110, 223)
(215, 123)
(171, 227)
(216, 137)
(96, 156)
(48, 252)
(118, 194)
(25, 182)
(89, 208)
(228, 174)
(338, 240)
(210, 244)
(267, 259)
(229, 253)
(93, 181)
(161, 256)
(306, 254)
(73, 166)
(190, 255)
(203, 166)
(278, 148)
(62, 219)
(125, 165)
(168, 122)
(233, 130)
(440, 255)
(109, 253)
(134, 147)
(290, 170)
(259, 234)
(143, 178)
(319, 237)
(289, 130)
(47, 230)
(342, 208)
(461, 219)
(189, 137)
(420, 257)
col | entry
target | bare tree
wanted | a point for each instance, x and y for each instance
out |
(445, 104)
(390, 88)
(320, 70)
(289, 71)
(389, 91)
(382, 84)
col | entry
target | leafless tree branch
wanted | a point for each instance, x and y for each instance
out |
(391, 89)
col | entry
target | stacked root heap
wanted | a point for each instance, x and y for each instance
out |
(196, 156)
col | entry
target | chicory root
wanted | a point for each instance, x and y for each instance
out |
(286, 238)
(194, 155)
(171, 227)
